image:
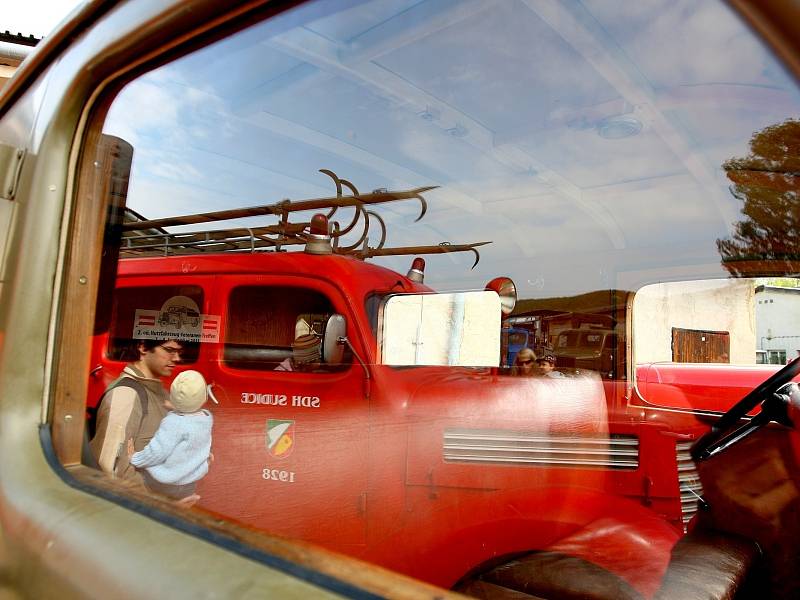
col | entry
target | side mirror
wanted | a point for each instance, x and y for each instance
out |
(333, 340)
(505, 288)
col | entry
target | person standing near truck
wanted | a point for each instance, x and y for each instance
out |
(133, 406)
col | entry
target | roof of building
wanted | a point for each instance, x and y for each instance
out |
(777, 288)
(19, 38)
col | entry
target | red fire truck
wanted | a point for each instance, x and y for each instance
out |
(397, 456)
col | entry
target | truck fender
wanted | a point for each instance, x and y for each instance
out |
(612, 532)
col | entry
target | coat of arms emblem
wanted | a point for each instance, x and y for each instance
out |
(280, 437)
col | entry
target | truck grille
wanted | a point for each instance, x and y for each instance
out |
(487, 446)
(688, 482)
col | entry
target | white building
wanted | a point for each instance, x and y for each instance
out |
(714, 319)
(777, 323)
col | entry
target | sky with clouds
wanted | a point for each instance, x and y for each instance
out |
(510, 111)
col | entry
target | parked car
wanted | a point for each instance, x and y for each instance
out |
(587, 349)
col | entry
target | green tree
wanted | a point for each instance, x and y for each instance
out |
(767, 182)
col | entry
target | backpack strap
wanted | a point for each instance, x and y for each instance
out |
(136, 385)
(87, 458)
(142, 395)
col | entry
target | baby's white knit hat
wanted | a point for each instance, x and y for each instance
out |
(188, 392)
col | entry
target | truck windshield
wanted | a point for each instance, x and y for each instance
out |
(569, 340)
(517, 339)
(678, 347)
(592, 340)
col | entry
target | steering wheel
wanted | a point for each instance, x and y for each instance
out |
(724, 434)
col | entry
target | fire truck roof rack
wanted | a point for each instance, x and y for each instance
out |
(143, 237)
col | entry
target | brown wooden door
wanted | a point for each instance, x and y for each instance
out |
(699, 346)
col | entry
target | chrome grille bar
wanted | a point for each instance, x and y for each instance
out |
(689, 484)
(484, 446)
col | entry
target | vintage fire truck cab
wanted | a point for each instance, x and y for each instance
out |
(399, 439)
(373, 444)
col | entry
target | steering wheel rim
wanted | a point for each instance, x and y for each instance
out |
(724, 434)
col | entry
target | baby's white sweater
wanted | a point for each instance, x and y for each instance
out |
(178, 453)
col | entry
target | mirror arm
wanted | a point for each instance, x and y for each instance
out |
(367, 379)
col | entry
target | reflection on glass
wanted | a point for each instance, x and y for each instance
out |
(767, 184)
(679, 329)
(580, 148)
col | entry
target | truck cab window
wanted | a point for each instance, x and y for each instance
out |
(277, 329)
(152, 312)
(692, 355)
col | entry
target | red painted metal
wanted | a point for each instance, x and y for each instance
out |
(695, 386)
(368, 476)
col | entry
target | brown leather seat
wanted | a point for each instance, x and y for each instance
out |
(555, 575)
(703, 565)
(709, 565)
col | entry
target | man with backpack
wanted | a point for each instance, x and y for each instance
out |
(133, 406)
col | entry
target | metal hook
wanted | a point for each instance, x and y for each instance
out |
(351, 186)
(472, 249)
(338, 183)
(383, 228)
(477, 258)
(354, 191)
(363, 234)
(347, 229)
(418, 196)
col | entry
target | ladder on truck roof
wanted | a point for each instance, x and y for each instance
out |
(149, 237)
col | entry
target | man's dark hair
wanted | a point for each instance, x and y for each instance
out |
(129, 348)
(148, 344)
(151, 344)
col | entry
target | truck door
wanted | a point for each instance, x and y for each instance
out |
(290, 435)
(699, 346)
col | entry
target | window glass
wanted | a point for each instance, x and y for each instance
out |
(265, 326)
(631, 168)
(517, 339)
(708, 325)
(749, 329)
(174, 309)
(777, 357)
